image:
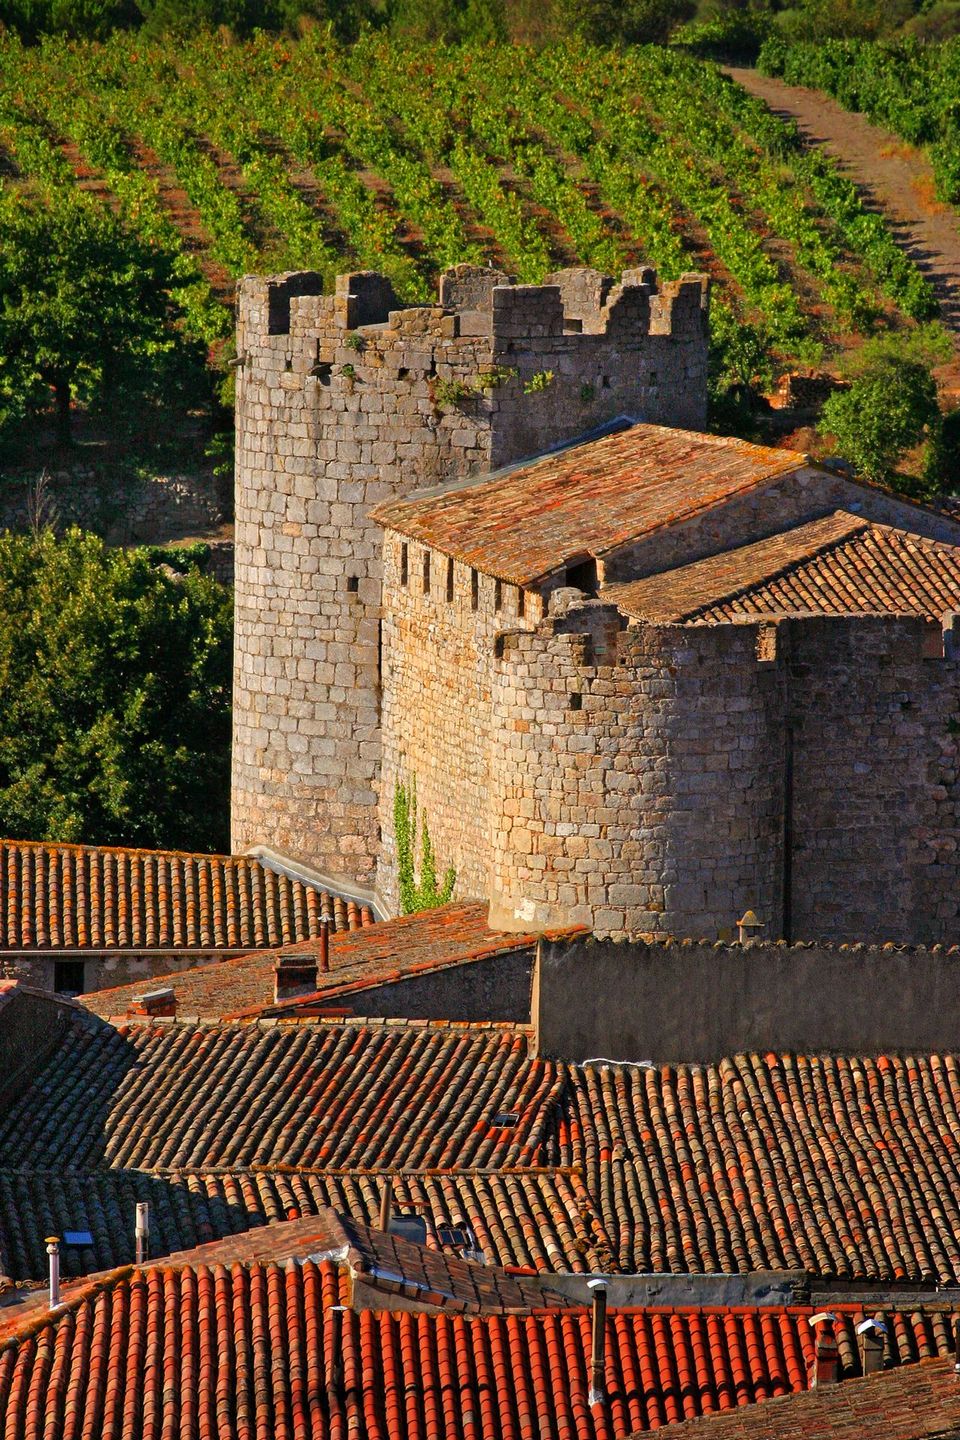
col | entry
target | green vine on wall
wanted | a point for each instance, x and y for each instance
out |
(427, 893)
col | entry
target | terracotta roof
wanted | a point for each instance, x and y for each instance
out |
(525, 522)
(538, 1219)
(839, 1166)
(260, 1349)
(834, 566)
(413, 1095)
(85, 897)
(455, 934)
(919, 1402)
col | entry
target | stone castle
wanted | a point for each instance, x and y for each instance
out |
(645, 678)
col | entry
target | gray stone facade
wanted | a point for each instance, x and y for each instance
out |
(344, 400)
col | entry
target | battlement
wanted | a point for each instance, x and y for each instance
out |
(475, 302)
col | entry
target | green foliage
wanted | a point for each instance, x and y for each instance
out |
(541, 380)
(87, 311)
(890, 407)
(116, 680)
(427, 892)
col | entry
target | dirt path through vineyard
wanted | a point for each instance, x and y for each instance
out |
(892, 177)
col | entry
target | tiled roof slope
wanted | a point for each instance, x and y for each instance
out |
(847, 1167)
(542, 1219)
(834, 566)
(839, 1166)
(258, 1349)
(523, 523)
(389, 1267)
(454, 934)
(919, 1402)
(407, 1094)
(84, 897)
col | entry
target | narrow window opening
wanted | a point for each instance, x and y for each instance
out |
(404, 564)
(474, 590)
(606, 382)
(497, 595)
(426, 572)
(449, 580)
(521, 603)
(653, 378)
(353, 584)
(402, 373)
(576, 701)
(583, 575)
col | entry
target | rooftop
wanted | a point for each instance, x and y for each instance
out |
(453, 935)
(834, 566)
(918, 1402)
(525, 522)
(260, 1345)
(84, 897)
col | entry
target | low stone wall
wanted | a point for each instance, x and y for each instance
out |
(124, 508)
(29, 1025)
(697, 1002)
(495, 989)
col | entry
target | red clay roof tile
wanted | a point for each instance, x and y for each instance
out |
(835, 566)
(593, 498)
(84, 897)
(454, 934)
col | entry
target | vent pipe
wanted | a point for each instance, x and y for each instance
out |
(598, 1344)
(52, 1243)
(326, 921)
(386, 1206)
(826, 1358)
(143, 1233)
(872, 1334)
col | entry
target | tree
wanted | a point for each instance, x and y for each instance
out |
(428, 893)
(86, 310)
(892, 406)
(115, 675)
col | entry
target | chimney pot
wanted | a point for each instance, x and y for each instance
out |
(52, 1243)
(825, 1369)
(386, 1206)
(143, 1232)
(748, 927)
(871, 1333)
(326, 923)
(155, 1002)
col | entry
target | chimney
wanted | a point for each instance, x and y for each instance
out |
(825, 1367)
(598, 1345)
(52, 1243)
(143, 1232)
(294, 975)
(748, 927)
(326, 921)
(871, 1333)
(155, 1002)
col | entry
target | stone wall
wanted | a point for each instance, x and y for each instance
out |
(661, 780)
(346, 399)
(29, 1026)
(438, 656)
(636, 776)
(496, 989)
(694, 1003)
(125, 509)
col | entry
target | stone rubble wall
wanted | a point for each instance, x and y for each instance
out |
(346, 399)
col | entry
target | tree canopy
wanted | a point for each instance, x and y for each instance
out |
(116, 677)
(87, 311)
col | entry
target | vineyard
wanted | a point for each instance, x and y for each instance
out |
(279, 155)
(910, 88)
